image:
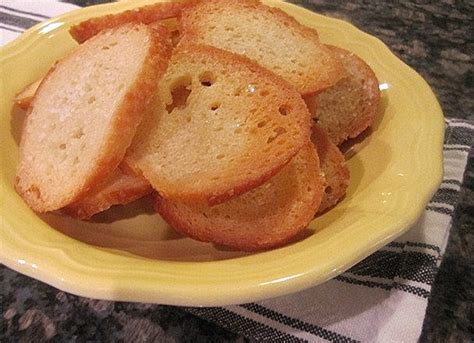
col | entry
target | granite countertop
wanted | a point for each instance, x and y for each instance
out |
(436, 39)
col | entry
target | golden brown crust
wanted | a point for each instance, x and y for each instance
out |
(145, 15)
(263, 218)
(31, 181)
(312, 104)
(320, 73)
(212, 183)
(24, 185)
(25, 97)
(333, 166)
(350, 106)
(132, 109)
(118, 188)
(134, 106)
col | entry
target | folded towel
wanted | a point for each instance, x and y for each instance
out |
(18, 15)
(381, 299)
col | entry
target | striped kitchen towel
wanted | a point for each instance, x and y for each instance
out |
(381, 299)
(18, 15)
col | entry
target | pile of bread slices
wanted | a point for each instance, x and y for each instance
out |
(229, 113)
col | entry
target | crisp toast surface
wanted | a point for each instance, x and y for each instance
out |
(266, 35)
(265, 217)
(351, 105)
(145, 15)
(25, 97)
(222, 125)
(118, 188)
(85, 114)
(333, 166)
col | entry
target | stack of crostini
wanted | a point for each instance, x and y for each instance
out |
(229, 113)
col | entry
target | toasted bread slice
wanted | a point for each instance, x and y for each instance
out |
(25, 97)
(221, 126)
(85, 114)
(117, 189)
(145, 15)
(333, 166)
(350, 106)
(265, 217)
(312, 104)
(264, 34)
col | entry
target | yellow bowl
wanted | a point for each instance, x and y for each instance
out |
(132, 255)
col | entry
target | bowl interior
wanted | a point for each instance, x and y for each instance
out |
(130, 253)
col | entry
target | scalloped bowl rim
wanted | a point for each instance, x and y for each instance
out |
(249, 278)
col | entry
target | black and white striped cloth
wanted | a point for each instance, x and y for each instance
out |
(18, 15)
(381, 299)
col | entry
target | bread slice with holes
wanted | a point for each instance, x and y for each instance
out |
(351, 105)
(221, 126)
(333, 166)
(145, 15)
(265, 217)
(85, 114)
(264, 34)
(118, 188)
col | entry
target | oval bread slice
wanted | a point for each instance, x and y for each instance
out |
(85, 114)
(266, 35)
(333, 166)
(351, 105)
(145, 15)
(118, 188)
(222, 125)
(265, 217)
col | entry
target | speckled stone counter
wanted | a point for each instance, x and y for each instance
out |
(436, 38)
